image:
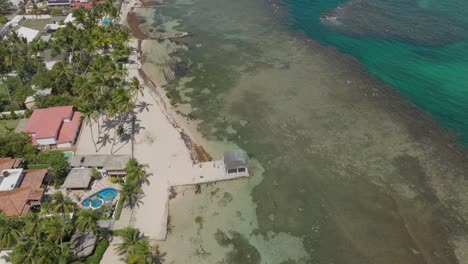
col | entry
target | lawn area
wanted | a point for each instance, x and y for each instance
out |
(38, 24)
(12, 124)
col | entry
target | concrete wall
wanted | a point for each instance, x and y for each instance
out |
(64, 145)
(18, 112)
(46, 141)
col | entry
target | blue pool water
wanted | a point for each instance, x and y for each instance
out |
(106, 21)
(96, 203)
(97, 199)
(107, 194)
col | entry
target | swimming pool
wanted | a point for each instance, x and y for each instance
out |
(106, 21)
(68, 154)
(97, 200)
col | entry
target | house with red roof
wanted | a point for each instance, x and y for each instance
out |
(21, 190)
(54, 127)
(78, 5)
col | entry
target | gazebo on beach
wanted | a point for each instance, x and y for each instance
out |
(235, 163)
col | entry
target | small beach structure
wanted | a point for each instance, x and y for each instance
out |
(83, 244)
(111, 165)
(78, 179)
(28, 33)
(235, 163)
(54, 127)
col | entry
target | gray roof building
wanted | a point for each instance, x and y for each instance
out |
(78, 178)
(106, 162)
(234, 159)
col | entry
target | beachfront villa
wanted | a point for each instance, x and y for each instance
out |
(235, 163)
(54, 127)
(21, 190)
(110, 165)
(78, 179)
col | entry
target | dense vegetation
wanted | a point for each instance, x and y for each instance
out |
(44, 237)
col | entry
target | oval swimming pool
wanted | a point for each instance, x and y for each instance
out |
(97, 200)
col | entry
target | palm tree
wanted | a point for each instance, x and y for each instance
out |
(131, 194)
(10, 230)
(87, 220)
(136, 172)
(140, 253)
(50, 252)
(62, 204)
(135, 87)
(130, 237)
(55, 228)
(25, 252)
(95, 174)
(32, 224)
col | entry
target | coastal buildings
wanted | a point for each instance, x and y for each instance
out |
(10, 163)
(111, 165)
(28, 33)
(78, 179)
(58, 2)
(21, 190)
(235, 163)
(54, 127)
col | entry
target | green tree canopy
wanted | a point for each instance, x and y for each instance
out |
(15, 145)
(56, 161)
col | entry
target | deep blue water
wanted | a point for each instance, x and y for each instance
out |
(419, 47)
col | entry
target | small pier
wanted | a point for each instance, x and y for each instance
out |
(232, 166)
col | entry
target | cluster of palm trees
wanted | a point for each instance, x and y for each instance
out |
(44, 237)
(136, 248)
(131, 192)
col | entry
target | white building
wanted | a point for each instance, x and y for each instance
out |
(10, 179)
(28, 33)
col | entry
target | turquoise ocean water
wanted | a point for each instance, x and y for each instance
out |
(342, 171)
(425, 57)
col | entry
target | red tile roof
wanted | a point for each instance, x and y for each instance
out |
(69, 129)
(15, 202)
(9, 163)
(33, 178)
(87, 5)
(49, 123)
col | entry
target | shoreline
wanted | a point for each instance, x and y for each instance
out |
(421, 126)
(383, 94)
(189, 134)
